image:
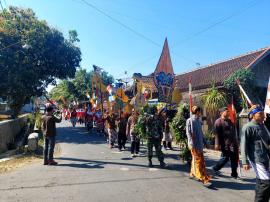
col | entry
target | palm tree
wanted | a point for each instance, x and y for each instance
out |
(213, 100)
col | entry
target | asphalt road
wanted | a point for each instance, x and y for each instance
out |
(89, 171)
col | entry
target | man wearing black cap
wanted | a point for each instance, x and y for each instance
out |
(49, 132)
(226, 141)
(255, 152)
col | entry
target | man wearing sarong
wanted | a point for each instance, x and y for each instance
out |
(196, 144)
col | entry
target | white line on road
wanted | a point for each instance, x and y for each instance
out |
(153, 169)
(116, 152)
(124, 169)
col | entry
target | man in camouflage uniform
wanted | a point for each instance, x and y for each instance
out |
(153, 129)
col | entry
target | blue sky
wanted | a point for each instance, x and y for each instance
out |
(235, 27)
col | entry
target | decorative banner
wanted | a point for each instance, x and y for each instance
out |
(120, 93)
(176, 96)
(267, 102)
(147, 94)
(164, 83)
(164, 75)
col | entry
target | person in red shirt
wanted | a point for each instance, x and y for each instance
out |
(73, 117)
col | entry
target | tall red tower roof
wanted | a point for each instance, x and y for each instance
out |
(165, 63)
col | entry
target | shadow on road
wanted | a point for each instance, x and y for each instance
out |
(232, 185)
(85, 163)
(90, 183)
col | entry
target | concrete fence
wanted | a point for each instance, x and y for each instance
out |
(9, 130)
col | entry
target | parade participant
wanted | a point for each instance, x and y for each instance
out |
(80, 114)
(226, 141)
(153, 128)
(73, 117)
(255, 142)
(89, 119)
(131, 132)
(167, 136)
(111, 129)
(196, 144)
(122, 137)
(49, 132)
(99, 121)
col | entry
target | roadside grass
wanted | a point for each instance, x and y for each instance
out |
(26, 158)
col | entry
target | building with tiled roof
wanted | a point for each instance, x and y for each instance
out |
(202, 78)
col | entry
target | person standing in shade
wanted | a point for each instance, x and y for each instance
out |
(154, 132)
(255, 152)
(49, 133)
(226, 141)
(122, 137)
(133, 134)
(196, 144)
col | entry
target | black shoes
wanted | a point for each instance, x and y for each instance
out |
(162, 164)
(150, 164)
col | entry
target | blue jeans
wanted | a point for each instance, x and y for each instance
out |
(49, 144)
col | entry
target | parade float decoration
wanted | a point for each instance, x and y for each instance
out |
(158, 85)
(164, 76)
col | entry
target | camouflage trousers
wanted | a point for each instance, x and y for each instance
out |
(157, 144)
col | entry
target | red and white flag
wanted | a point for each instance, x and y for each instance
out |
(232, 112)
(190, 95)
(267, 102)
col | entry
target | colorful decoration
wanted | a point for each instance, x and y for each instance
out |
(147, 94)
(164, 75)
(164, 83)
(176, 96)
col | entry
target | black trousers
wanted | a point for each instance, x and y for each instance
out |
(49, 144)
(157, 144)
(227, 155)
(262, 190)
(135, 146)
(122, 139)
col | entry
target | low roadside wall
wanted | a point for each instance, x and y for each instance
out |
(9, 130)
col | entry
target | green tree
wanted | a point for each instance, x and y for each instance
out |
(82, 84)
(247, 80)
(73, 36)
(213, 100)
(64, 90)
(107, 78)
(33, 55)
(77, 88)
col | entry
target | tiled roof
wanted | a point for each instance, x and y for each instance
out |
(203, 77)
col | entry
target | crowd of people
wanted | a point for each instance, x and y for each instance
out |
(254, 146)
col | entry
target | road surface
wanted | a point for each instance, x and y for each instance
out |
(89, 171)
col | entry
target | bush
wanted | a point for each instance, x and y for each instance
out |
(210, 137)
(178, 128)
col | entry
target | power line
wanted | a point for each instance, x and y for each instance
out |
(1, 6)
(208, 28)
(6, 3)
(126, 26)
(120, 23)
(217, 23)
